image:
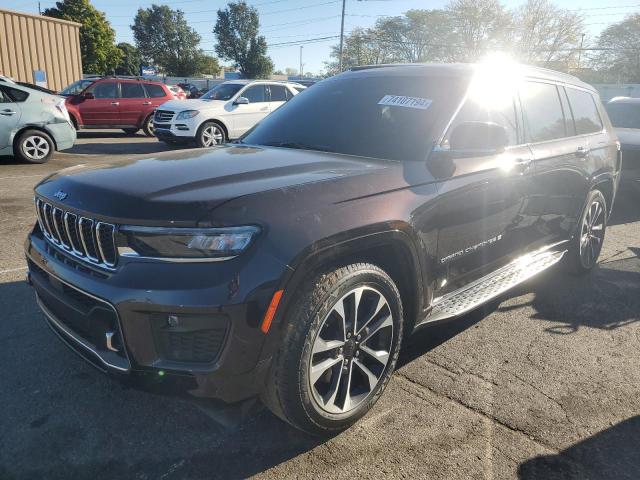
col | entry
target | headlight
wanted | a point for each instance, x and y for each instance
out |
(187, 114)
(188, 243)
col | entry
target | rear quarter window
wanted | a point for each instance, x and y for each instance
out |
(15, 94)
(154, 91)
(585, 111)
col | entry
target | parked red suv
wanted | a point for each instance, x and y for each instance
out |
(118, 103)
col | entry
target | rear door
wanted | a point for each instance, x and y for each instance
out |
(558, 181)
(277, 97)
(133, 103)
(246, 116)
(9, 117)
(104, 108)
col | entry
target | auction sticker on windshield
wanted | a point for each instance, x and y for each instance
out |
(404, 101)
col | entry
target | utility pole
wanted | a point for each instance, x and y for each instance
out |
(39, 9)
(344, 2)
(301, 47)
(580, 51)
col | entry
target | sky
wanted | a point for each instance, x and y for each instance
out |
(288, 23)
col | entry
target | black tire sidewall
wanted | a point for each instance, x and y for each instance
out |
(309, 412)
(148, 126)
(18, 151)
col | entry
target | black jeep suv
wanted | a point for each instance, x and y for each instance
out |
(291, 264)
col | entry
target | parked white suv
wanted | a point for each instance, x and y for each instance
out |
(225, 112)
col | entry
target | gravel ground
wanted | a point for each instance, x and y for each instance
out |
(542, 384)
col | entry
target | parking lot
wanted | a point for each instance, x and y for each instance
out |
(544, 383)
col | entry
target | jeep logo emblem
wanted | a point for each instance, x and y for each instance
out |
(60, 195)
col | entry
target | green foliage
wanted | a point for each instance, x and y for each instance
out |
(621, 61)
(131, 60)
(166, 40)
(207, 65)
(238, 41)
(97, 39)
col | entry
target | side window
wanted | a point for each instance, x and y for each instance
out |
(4, 98)
(502, 113)
(278, 93)
(585, 112)
(568, 116)
(104, 90)
(154, 91)
(15, 95)
(255, 94)
(131, 90)
(542, 112)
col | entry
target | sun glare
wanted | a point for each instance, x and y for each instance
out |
(495, 81)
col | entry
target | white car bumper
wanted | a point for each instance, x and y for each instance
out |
(167, 127)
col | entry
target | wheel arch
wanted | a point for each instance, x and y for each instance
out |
(607, 187)
(40, 128)
(219, 122)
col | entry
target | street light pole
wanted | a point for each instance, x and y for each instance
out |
(301, 47)
(342, 32)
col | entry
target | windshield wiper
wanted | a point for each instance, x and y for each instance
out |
(298, 146)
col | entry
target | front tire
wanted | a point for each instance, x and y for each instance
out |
(33, 146)
(210, 134)
(340, 347)
(587, 243)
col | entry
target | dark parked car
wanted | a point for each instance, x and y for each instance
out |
(292, 264)
(126, 103)
(625, 117)
(191, 90)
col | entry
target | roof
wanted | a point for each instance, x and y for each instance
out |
(245, 81)
(625, 100)
(456, 69)
(39, 17)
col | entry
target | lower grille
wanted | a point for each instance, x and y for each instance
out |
(82, 237)
(81, 317)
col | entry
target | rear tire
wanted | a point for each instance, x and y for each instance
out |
(587, 244)
(323, 380)
(147, 128)
(130, 131)
(33, 146)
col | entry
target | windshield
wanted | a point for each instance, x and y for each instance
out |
(624, 115)
(223, 91)
(389, 117)
(76, 87)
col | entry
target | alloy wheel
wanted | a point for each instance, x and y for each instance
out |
(351, 350)
(35, 147)
(212, 135)
(592, 233)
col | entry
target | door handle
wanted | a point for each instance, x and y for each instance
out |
(522, 163)
(7, 112)
(115, 103)
(582, 152)
(146, 103)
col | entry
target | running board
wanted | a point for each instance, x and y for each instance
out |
(490, 286)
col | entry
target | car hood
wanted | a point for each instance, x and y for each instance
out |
(182, 188)
(629, 137)
(192, 104)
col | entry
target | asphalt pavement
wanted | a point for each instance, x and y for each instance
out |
(542, 384)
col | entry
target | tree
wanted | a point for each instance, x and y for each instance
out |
(207, 65)
(478, 26)
(619, 61)
(291, 72)
(238, 41)
(131, 60)
(167, 40)
(545, 33)
(362, 47)
(97, 39)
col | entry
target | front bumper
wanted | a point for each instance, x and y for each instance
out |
(165, 331)
(630, 173)
(176, 129)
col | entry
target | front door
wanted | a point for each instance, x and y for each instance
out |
(104, 108)
(246, 116)
(9, 116)
(482, 199)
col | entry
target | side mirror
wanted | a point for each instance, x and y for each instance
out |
(242, 101)
(88, 96)
(477, 138)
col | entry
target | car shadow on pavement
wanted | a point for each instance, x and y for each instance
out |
(611, 453)
(95, 144)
